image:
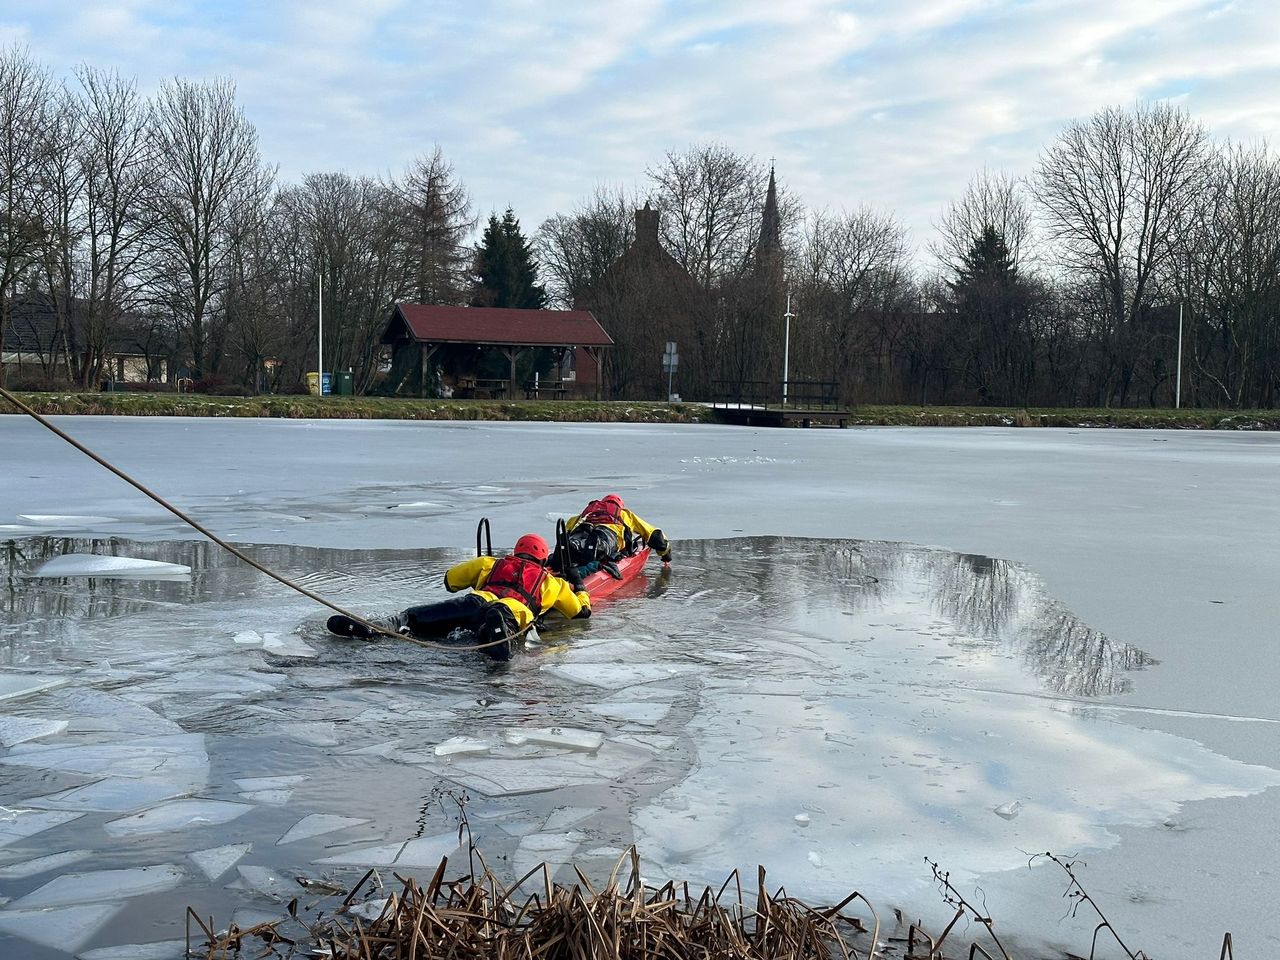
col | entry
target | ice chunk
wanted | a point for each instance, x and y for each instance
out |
(15, 730)
(815, 858)
(15, 685)
(316, 824)
(287, 646)
(161, 950)
(270, 882)
(248, 638)
(66, 929)
(113, 795)
(272, 798)
(649, 713)
(370, 910)
(568, 816)
(177, 815)
(801, 819)
(566, 738)
(64, 521)
(268, 783)
(16, 824)
(179, 758)
(383, 855)
(427, 851)
(455, 746)
(553, 849)
(54, 861)
(504, 776)
(102, 885)
(215, 861)
(615, 676)
(1008, 810)
(95, 565)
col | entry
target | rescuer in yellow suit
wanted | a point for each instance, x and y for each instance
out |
(507, 595)
(605, 530)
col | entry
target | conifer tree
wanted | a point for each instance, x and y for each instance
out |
(506, 274)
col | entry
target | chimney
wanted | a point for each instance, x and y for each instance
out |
(647, 227)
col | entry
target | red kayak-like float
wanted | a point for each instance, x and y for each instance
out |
(600, 584)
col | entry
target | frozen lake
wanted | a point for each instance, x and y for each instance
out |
(835, 679)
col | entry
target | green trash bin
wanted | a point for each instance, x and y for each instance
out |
(346, 384)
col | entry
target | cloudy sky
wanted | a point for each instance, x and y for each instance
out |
(893, 104)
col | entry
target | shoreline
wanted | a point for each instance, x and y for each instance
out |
(615, 411)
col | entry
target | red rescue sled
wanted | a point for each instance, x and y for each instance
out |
(599, 584)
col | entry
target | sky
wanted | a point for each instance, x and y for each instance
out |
(895, 105)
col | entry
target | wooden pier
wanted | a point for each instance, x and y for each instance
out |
(761, 403)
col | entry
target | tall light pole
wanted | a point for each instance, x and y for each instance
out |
(786, 351)
(1177, 393)
(320, 331)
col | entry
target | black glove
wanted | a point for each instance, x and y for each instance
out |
(585, 600)
(659, 542)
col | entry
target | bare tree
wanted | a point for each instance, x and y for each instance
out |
(1115, 189)
(207, 172)
(435, 212)
(61, 205)
(26, 90)
(992, 199)
(576, 250)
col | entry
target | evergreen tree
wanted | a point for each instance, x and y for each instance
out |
(990, 304)
(506, 274)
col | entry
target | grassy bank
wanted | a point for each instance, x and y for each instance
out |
(615, 411)
(358, 408)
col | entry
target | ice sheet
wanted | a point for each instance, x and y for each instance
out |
(178, 815)
(457, 746)
(16, 685)
(15, 824)
(100, 885)
(54, 861)
(66, 929)
(318, 823)
(215, 861)
(15, 730)
(269, 783)
(178, 758)
(112, 795)
(618, 676)
(94, 565)
(66, 521)
(161, 950)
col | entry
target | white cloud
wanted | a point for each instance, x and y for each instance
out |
(894, 105)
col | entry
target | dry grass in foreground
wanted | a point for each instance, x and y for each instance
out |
(477, 917)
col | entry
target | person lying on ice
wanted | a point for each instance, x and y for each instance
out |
(605, 530)
(507, 594)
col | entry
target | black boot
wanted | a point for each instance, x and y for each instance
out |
(611, 568)
(346, 627)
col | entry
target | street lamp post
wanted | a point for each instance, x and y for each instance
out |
(786, 351)
(320, 332)
(1177, 393)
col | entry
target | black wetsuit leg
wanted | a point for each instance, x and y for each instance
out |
(437, 619)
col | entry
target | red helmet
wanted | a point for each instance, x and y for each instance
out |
(613, 498)
(532, 546)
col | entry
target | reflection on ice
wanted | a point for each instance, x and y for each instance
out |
(833, 709)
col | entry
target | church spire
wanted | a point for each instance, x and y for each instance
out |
(770, 222)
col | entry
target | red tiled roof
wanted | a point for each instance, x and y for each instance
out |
(501, 325)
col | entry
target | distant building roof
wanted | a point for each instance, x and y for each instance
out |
(495, 325)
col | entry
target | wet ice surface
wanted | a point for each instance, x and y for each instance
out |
(849, 706)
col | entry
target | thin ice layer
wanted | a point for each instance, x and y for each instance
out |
(95, 565)
(162, 950)
(101, 885)
(15, 730)
(112, 795)
(54, 861)
(215, 861)
(17, 824)
(15, 685)
(317, 824)
(66, 929)
(178, 815)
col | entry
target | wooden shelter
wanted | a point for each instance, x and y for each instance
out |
(415, 331)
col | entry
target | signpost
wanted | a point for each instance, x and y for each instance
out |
(670, 361)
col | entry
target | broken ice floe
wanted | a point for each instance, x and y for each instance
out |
(65, 521)
(420, 852)
(15, 730)
(160, 950)
(18, 824)
(15, 685)
(277, 644)
(96, 565)
(215, 861)
(553, 849)
(456, 746)
(272, 798)
(615, 676)
(99, 885)
(567, 738)
(1008, 810)
(177, 815)
(179, 758)
(268, 783)
(317, 824)
(112, 795)
(66, 929)
(54, 861)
